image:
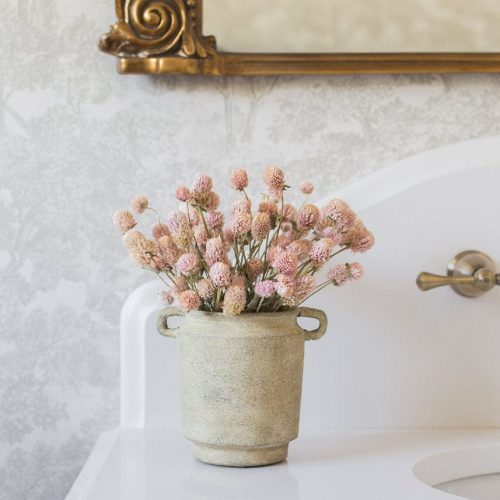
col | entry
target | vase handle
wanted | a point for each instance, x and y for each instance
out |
(162, 321)
(309, 312)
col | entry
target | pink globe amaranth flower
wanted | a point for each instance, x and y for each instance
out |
(188, 263)
(261, 225)
(239, 179)
(205, 288)
(300, 248)
(265, 288)
(189, 300)
(239, 206)
(124, 221)
(306, 187)
(285, 286)
(285, 262)
(134, 240)
(359, 239)
(332, 234)
(269, 207)
(321, 251)
(241, 224)
(159, 229)
(215, 251)
(139, 204)
(355, 271)
(235, 300)
(289, 213)
(274, 177)
(308, 216)
(176, 221)
(303, 287)
(214, 219)
(220, 274)
(341, 214)
(253, 268)
(338, 274)
(200, 234)
(228, 235)
(182, 193)
(213, 202)
(203, 183)
(168, 250)
(166, 298)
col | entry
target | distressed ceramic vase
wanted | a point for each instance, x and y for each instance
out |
(241, 382)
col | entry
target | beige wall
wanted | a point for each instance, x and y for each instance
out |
(354, 25)
(78, 141)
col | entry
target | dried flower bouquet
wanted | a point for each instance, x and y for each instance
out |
(264, 260)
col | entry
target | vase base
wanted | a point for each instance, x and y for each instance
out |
(240, 457)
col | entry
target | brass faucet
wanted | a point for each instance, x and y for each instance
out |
(470, 273)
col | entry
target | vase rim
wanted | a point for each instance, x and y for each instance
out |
(246, 315)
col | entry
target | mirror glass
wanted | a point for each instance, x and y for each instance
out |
(353, 25)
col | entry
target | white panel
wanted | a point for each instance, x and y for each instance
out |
(393, 356)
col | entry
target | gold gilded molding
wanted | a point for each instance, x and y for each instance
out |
(165, 37)
(158, 28)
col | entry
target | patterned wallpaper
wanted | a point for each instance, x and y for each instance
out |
(78, 141)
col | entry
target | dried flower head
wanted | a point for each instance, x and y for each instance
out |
(341, 214)
(123, 221)
(202, 184)
(274, 177)
(166, 297)
(213, 201)
(261, 225)
(265, 288)
(168, 249)
(239, 206)
(306, 187)
(308, 216)
(300, 248)
(189, 300)
(289, 213)
(253, 268)
(188, 263)
(338, 274)
(182, 193)
(220, 274)
(200, 234)
(355, 271)
(241, 224)
(268, 207)
(285, 286)
(332, 234)
(214, 219)
(228, 235)
(239, 179)
(139, 204)
(320, 251)
(205, 288)
(285, 262)
(215, 251)
(158, 230)
(303, 287)
(234, 300)
(359, 239)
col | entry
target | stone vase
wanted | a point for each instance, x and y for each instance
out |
(241, 382)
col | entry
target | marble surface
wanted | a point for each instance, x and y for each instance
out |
(131, 464)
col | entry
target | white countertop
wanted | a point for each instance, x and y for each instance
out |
(134, 464)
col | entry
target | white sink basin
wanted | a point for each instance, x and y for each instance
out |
(472, 473)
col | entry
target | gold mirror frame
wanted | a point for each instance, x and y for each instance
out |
(165, 37)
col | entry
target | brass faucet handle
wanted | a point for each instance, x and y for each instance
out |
(428, 281)
(470, 274)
